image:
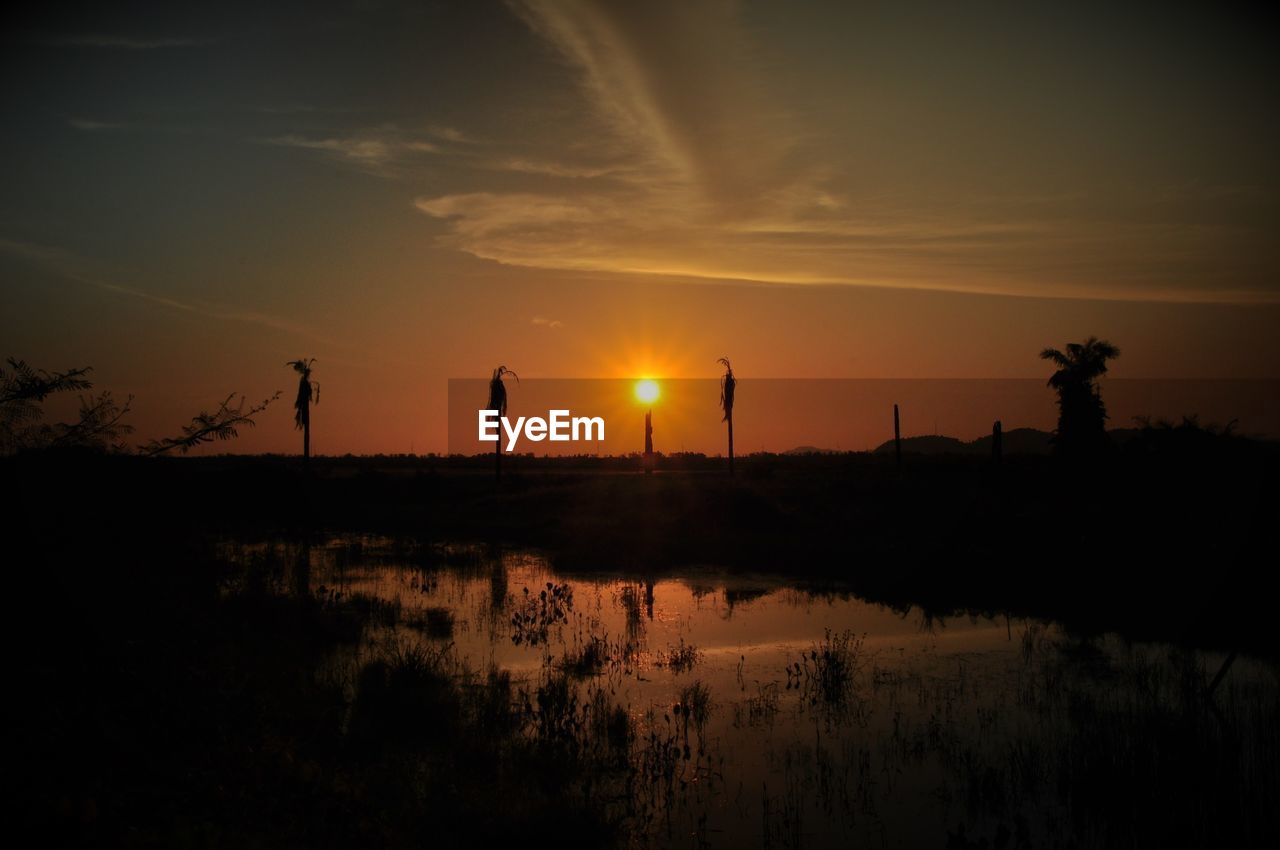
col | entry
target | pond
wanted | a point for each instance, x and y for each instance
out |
(769, 711)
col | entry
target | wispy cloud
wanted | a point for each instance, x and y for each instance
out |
(382, 151)
(72, 267)
(542, 321)
(684, 84)
(696, 171)
(522, 165)
(644, 233)
(450, 134)
(120, 42)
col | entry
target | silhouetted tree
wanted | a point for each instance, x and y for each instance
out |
(23, 391)
(308, 393)
(100, 424)
(22, 388)
(498, 402)
(728, 385)
(1081, 413)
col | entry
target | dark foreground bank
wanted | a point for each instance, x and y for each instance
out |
(165, 699)
(1158, 541)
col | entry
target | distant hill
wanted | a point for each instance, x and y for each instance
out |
(1017, 441)
(928, 445)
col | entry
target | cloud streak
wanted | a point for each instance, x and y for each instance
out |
(74, 268)
(382, 151)
(683, 83)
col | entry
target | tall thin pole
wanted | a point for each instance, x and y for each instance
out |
(648, 441)
(897, 437)
(731, 445)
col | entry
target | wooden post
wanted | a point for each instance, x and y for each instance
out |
(731, 446)
(648, 441)
(897, 437)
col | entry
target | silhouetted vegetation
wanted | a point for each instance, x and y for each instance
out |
(728, 389)
(1082, 416)
(221, 424)
(100, 425)
(308, 394)
(498, 402)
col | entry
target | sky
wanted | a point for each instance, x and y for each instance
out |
(412, 192)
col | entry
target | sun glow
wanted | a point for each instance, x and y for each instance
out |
(647, 390)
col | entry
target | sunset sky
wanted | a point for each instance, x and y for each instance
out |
(411, 192)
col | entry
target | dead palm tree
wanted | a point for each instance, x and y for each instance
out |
(728, 384)
(1081, 414)
(498, 402)
(308, 394)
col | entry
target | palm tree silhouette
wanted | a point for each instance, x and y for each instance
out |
(728, 384)
(1081, 414)
(498, 402)
(308, 393)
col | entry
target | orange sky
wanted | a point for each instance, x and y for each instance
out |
(603, 189)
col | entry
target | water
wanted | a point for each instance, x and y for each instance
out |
(768, 712)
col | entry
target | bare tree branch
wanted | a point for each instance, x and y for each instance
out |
(206, 427)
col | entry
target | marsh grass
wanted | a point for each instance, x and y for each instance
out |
(694, 707)
(1110, 748)
(760, 709)
(589, 657)
(680, 658)
(327, 731)
(828, 673)
(1079, 741)
(1076, 741)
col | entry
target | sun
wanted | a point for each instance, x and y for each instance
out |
(647, 390)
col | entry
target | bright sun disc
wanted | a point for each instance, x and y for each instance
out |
(647, 391)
